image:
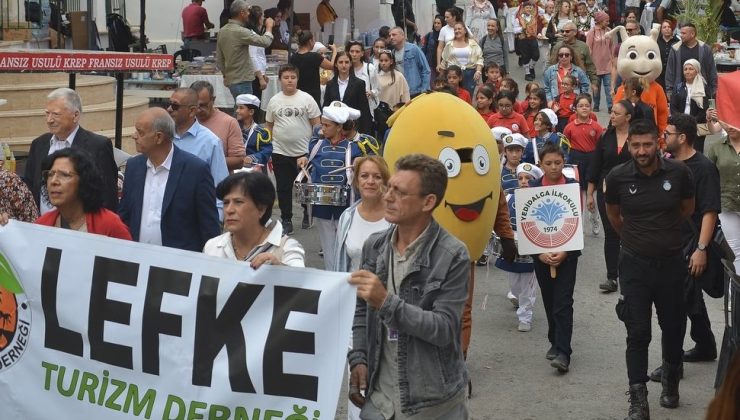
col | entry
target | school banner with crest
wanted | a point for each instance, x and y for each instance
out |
(93, 328)
(548, 219)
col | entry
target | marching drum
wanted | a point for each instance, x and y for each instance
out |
(321, 194)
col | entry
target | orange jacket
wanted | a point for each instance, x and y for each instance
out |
(656, 99)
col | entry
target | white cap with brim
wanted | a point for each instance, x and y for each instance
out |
(339, 115)
(500, 132)
(551, 115)
(354, 114)
(530, 169)
(247, 99)
(515, 139)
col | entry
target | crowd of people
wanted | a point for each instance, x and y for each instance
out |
(202, 182)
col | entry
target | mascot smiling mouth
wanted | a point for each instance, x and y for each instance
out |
(469, 212)
(641, 74)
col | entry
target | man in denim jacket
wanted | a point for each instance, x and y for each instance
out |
(410, 61)
(411, 290)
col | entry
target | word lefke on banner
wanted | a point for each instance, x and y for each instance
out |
(93, 327)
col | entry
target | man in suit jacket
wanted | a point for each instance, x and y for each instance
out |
(168, 194)
(63, 112)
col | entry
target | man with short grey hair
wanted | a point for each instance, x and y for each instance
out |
(232, 49)
(222, 124)
(410, 61)
(63, 113)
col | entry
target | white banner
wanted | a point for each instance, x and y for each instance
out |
(109, 329)
(548, 219)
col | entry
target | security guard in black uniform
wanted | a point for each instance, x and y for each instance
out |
(648, 200)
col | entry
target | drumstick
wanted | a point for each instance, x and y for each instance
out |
(553, 271)
(305, 172)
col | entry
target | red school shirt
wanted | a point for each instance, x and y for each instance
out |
(464, 95)
(514, 122)
(486, 115)
(583, 135)
(530, 122)
(566, 102)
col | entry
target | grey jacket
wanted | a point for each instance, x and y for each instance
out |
(427, 314)
(674, 69)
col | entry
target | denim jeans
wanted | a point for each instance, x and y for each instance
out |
(240, 88)
(604, 81)
(468, 81)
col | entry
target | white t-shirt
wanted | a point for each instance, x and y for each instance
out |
(291, 117)
(359, 231)
(446, 34)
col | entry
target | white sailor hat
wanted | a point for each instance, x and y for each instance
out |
(339, 115)
(515, 139)
(354, 114)
(530, 169)
(551, 115)
(247, 99)
(500, 132)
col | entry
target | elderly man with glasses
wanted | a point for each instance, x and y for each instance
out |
(570, 32)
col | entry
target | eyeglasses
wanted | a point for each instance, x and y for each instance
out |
(201, 106)
(175, 107)
(396, 193)
(563, 55)
(668, 133)
(64, 176)
(567, 31)
(505, 105)
(629, 30)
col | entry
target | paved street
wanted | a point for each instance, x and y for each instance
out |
(511, 378)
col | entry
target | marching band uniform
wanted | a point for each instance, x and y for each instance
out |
(331, 164)
(258, 143)
(520, 273)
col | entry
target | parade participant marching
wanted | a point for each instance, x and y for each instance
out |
(544, 124)
(514, 145)
(648, 200)
(329, 163)
(557, 291)
(257, 140)
(520, 272)
(367, 143)
(527, 26)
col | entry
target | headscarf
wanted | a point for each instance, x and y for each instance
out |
(697, 86)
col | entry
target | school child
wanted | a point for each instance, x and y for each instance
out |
(494, 76)
(454, 79)
(564, 103)
(557, 291)
(584, 20)
(514, 145)
(520, 273)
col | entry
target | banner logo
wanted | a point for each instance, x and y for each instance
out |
(15, 317)
(550, 219)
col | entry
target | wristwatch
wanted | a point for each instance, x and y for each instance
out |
(701, 247)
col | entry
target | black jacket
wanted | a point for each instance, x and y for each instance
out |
(678, 104)
(100, 149)
(354, 96)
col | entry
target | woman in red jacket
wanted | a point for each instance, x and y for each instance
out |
(72, 184)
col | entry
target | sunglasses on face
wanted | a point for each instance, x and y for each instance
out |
(563, 55)
(567, 31)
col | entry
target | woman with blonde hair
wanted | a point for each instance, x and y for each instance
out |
(366, 216)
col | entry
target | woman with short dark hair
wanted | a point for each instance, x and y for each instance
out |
(309, 63)
(251, 235)
(74, 186)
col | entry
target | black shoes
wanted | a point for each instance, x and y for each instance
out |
(609, 285)
(552, 353)
(639, 408)
(561, 363)
(670, 380)
(657, 374)
(700, 355)
(287, 226)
